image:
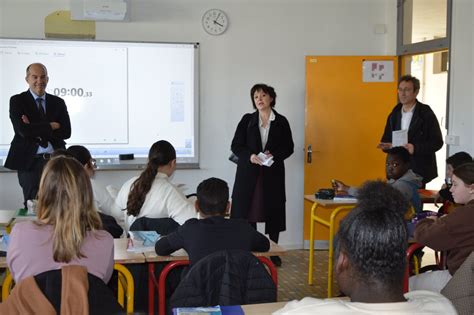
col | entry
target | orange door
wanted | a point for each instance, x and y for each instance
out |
(345, 117)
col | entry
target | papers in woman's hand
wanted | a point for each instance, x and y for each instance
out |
(267, 160)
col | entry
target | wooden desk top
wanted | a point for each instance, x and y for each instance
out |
(262, 309)
(275, 250)
(328, 202)
(3, 262)
(122, 256)
(427, 196)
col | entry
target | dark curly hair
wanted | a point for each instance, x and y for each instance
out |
(374, 236)
(161, 153)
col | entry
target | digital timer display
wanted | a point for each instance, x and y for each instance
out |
(79, 92)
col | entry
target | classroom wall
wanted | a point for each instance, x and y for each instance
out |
(461, 67)
(267, 41)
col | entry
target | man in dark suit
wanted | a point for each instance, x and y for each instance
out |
(424, 133)
(41, 123)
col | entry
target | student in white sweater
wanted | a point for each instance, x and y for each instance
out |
(370, 262)
(151, 194)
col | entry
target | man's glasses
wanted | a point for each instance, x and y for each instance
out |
(93, 163)
(393, 164)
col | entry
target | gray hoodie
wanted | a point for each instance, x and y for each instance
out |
(405, 184)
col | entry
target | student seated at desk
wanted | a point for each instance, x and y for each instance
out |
(212, 232)
(444, 195)
(102, 198)
(453, 232)
(399, 175)
(151, 194)
(68, 230)
(370, 263)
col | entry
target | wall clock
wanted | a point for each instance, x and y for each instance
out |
(215, 21)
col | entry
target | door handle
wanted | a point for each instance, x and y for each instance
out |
(309, 154)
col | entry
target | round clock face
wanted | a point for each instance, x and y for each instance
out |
(215, 22)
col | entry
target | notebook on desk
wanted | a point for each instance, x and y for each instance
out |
(345, 198)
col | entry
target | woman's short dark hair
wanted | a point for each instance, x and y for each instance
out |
(374, 236)
(401, 153)
(212, 196)
(458, 159)
(265, 88)
(161, 153)
(413, 80)
(465, 172)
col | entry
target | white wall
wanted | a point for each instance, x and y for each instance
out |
(266, 42)
(461, 113)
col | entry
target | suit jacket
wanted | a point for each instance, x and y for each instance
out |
(424, 133)
(26, 140)
(247, 141)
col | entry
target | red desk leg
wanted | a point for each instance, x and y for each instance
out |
(151, 288)
(162, 283)
(272, 268)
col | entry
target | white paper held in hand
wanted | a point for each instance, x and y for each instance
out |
(399, 138)
(266, 160)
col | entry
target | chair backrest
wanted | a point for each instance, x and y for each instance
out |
(162, 226)
(100, 297)
(460, 289)
(230, 277)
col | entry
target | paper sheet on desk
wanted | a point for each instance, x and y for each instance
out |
(266, 161)
(399, 138)
(142, 241)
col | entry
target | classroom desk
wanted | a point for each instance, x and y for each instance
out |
(337, 208)
(122, 256)
(428, 196)
(180, 258)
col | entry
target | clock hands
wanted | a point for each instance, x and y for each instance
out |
(215, 21)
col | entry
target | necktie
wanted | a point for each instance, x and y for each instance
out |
(42, 113)
(42, 142)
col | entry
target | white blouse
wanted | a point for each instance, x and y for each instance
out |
(265, 130)
(164, 200)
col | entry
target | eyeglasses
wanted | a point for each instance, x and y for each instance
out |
(405, 90)
(93, 163)
(393, 164)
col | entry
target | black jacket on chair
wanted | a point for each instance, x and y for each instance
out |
(231, 277)
(162, 226)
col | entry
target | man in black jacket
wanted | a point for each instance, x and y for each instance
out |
(41, 124)
(424, 133)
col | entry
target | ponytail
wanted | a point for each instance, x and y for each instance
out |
(161, 153)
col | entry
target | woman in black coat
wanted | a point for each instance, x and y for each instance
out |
(259, 191)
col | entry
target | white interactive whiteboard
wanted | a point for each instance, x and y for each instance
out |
(121, 96)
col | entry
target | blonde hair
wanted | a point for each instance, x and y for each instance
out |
(65, 201)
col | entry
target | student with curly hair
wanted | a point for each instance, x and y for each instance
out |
(370, 262)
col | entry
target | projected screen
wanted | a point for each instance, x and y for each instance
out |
(121, 96)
